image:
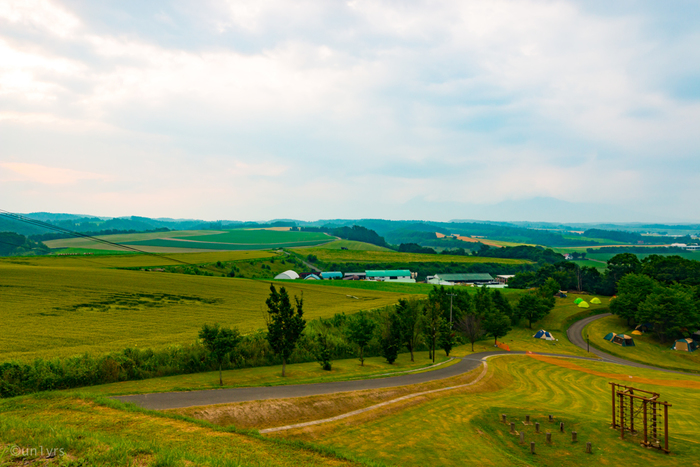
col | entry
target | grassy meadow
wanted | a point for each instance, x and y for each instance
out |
(462, 427)
(646, 349)
(52, 311)
(352, 245)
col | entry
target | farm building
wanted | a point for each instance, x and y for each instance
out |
(287, 275)
(397, 275)
(332, 275)
(312, 277)
(504, 278)
(686, 345)
(465, 278)
(354, 276)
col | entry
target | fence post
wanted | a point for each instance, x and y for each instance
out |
(561, 427)
(532, 447)
(589, 448)
(573, 436)
(549, 437)
(537, 427)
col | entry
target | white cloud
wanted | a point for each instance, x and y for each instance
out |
(39, 14)
(42, 174)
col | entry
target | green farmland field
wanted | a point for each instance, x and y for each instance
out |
(348, 256)
(258, 237)
(53, 311)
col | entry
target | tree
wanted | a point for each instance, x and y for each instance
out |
(284, 323)
(447, 337)
(391, 336)
(471, 327)
(496, 324)
(219, 342)
(360, 332)
(533, 308)
(633, 289)
(323, 351)
(501, 303)
(671, 311)
(432, 323)
(549, 288)
(622, 264)
(409, 313)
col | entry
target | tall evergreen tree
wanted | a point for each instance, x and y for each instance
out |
(284, 323)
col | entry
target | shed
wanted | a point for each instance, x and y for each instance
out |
(623, 339)
(354, 276)
(287, 275)
(388, 274)
(542, 334)
(465, 278)
(686, 345)
(312, 277)
(332, 275)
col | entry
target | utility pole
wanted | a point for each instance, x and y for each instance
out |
(451, 295)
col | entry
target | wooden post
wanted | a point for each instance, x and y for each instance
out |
(614, 424)
(522, 437)
(549, 437)
(573, 436)
(537, 427)
(503, 417)
(512, 427)
(644, 409)
(550, 418)
(532, 447)
(631, 411)
(666, 427)
(527, 419)
(561, 427)
(589, 448)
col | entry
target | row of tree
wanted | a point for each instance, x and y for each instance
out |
(444, 320)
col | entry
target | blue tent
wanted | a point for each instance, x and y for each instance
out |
(542, 334)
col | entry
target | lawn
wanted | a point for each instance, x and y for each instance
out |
(85, 432)
(348, 256)
(299, 373)
(646, 350)
(58, 311)
(463, 428)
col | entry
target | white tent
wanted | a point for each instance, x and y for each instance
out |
(287, 275)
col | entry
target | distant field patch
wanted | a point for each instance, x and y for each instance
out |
(352, 245)
(259, 237)
(172, 243)
(348, 256)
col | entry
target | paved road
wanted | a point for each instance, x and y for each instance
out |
(574, 333)
(175, 400)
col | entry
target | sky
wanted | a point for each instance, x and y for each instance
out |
(267, 109)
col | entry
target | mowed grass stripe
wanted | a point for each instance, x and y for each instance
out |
(463, 428)
(49, 312)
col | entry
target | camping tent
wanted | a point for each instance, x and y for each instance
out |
(595, 300)
(686, 345)
(643, 327)
(583, 304)
(623, 339)
(637, 333)
(610, 336)
(578, 300)
(542, 334)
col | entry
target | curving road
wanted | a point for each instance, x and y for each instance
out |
(176, 400)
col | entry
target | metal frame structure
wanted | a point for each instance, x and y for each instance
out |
(624, 400)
